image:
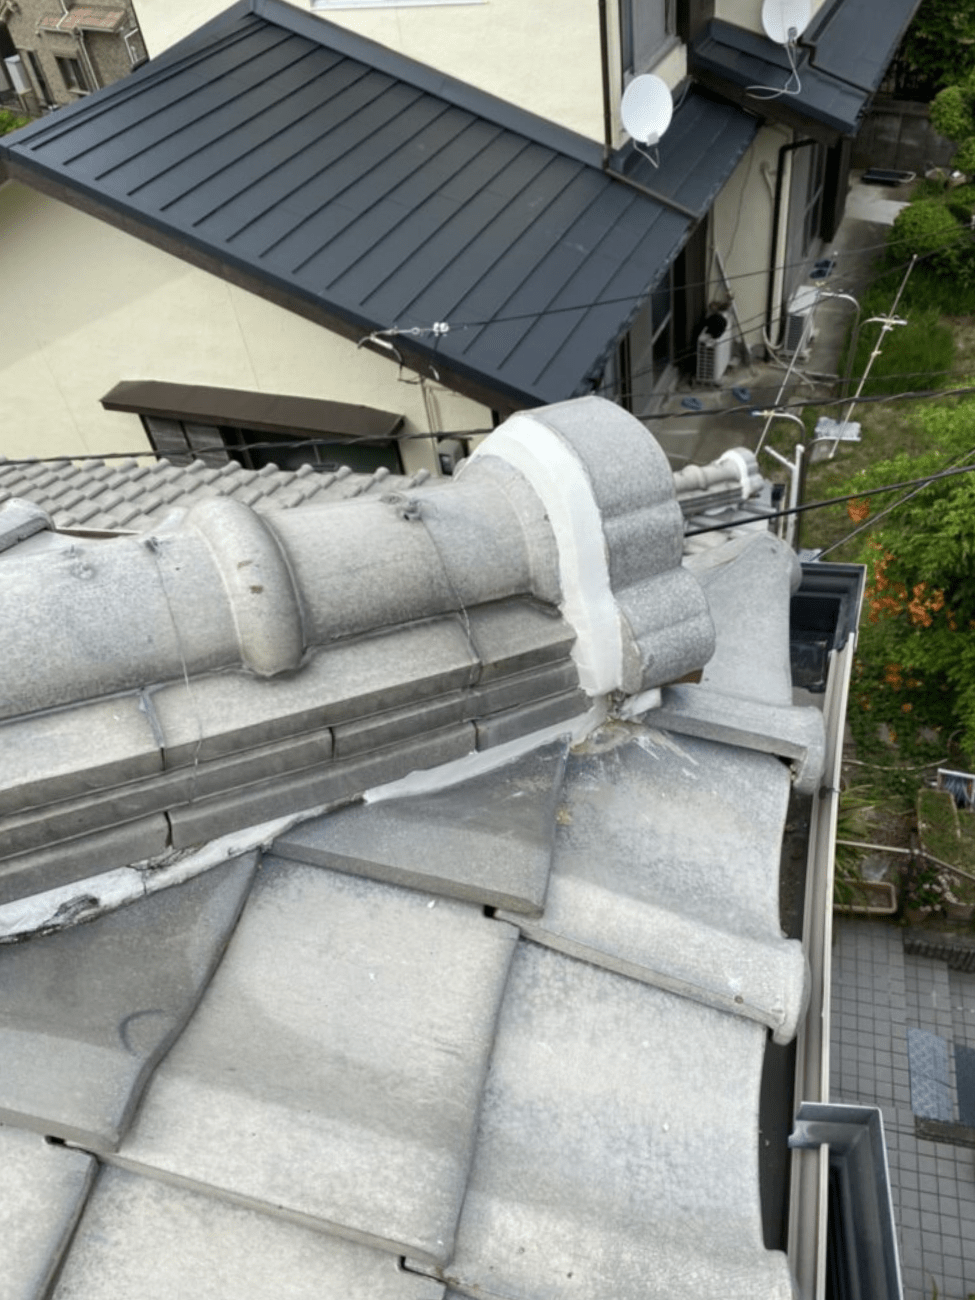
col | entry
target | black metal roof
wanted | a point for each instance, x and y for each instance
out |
(368, 191)
(843, 57)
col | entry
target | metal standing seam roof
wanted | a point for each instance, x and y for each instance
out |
(368, 191)
(843, 58)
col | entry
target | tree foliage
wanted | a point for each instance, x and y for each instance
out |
(918, 627)
(940, 43)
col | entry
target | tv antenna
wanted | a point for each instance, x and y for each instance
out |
(646, 112)
(784, 22)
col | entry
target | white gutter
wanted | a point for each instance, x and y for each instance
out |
(809, 1178)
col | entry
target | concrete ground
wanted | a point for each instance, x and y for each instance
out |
(699, 437)
(882, 997)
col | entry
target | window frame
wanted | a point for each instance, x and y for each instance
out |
(78, 84)
(185, 440)
(626, 14)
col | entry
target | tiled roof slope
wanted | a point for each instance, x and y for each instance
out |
(93, 18)
(128, 495)
(230, 666)
(488, 1033)
(368, 191)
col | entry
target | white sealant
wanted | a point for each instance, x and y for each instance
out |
(478, 762)
(558, 477)
(84, 900)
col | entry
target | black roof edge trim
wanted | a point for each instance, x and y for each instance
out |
(468, 380)
(427, 78)
(283, 413)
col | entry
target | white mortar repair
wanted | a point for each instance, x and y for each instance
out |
(559, 478)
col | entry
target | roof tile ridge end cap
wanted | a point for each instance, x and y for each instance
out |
(538, 445)
(261, 590)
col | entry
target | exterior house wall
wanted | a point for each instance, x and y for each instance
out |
(544, 56)
(102, 55)
(748, 13)
(96, 306)
(742, 219)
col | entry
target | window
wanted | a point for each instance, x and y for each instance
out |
(647, 28)
(39, 77)
(182, 441)
(72, 75)
(812, 205)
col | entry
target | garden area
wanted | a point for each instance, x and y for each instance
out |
(912, 698)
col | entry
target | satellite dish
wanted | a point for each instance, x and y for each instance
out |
(647, 108)
(785, 20)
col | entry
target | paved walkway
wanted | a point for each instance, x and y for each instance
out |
(879, 995)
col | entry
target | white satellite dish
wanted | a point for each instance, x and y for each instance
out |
(647, 108)
(785, 20)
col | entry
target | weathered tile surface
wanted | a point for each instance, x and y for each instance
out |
(488, 840)
(666, 868)
(607, 1152)
(333, 1070)
(86, 1013)
(146, 1240)
(42, 1191)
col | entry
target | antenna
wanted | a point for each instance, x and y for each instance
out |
(785, 20)
(647, 108)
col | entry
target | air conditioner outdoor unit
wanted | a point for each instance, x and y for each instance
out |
(15, 70)
(799, 330)
(713, 356)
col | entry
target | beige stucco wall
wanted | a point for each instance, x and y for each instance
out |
(90, 306)
(542, 55)
(748, 13)
(741, 231)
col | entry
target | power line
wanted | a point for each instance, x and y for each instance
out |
(834, 501)
(887, 509)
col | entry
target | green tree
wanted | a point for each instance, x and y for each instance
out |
(940, 43)
(917, 639)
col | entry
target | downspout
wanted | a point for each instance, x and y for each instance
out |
(776, 212)
(83, 48)
(126, 37)
(604, 68)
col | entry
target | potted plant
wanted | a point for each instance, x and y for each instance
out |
(923, 892)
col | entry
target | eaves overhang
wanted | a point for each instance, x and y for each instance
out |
(842, 59)
(372, 194)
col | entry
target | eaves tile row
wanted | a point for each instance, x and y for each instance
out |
(129, 495)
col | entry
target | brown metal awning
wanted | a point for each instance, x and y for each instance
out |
(241, 409)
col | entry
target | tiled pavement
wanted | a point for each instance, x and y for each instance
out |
(879, 993)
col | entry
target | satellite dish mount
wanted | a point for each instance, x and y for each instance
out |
(784, 22)
(646, 112)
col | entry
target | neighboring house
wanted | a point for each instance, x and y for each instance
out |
(432, 208)
(53, 51)
(408, 896)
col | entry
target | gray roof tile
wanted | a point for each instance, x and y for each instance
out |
(701, 916)
(298, 1056)
(486, 840)
(604, 1137)
(42, 1192)
(50, 757)
(86, 1014)
(37, 870)
(140, 1237)
(375, 1069)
